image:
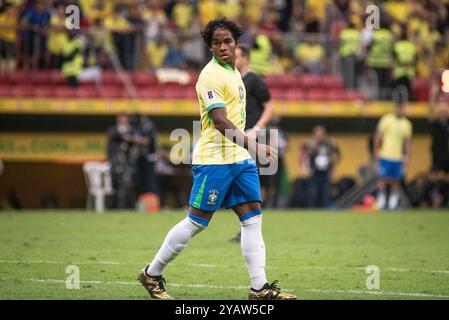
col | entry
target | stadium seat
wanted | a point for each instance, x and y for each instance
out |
(337, 95)
(65, 92)
(143, 78)
(272, 81)
(278, 93)
(22, 90)
(317, 94)
(39, 77)
(310, 81)
(354, 95)
(149, 92)
(295, 94)
(173, 91)
(56, 78)
(5, 90)
(43, 91)
(289, 81)
(86, 91)
(112, 91)
(110, 77)
(18, 77)
(331, 82)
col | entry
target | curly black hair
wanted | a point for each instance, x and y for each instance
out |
(224, 23)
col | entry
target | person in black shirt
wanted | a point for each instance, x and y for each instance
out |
(320, 155)
(439, 124)
(120, 156)
(259, 108)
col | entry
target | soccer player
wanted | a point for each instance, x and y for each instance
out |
(219, 176)
(392, 148)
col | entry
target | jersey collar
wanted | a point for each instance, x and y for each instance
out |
(227, 66)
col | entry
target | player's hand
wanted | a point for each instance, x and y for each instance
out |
(252, 134)
(266, 154)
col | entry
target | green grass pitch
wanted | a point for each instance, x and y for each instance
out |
(315, 254)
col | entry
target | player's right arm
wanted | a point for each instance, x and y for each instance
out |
(222, 124)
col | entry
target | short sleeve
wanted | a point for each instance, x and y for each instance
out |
(382, 123)
(210, 91)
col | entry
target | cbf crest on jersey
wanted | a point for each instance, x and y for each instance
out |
(213, 195)
(241, 93)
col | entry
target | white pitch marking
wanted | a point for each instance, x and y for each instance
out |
(204, 265)
(359, 292)
(382, 293)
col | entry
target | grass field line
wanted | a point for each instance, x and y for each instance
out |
(204, 265)
(207, 286)
(381, 293)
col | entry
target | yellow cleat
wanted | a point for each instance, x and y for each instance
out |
(270, 292)
(154, 285)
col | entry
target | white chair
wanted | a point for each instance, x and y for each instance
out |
(99, 183)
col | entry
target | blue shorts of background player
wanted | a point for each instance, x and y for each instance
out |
(224, 184)
(389, 169)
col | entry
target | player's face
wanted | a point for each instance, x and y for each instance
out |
(223, 46)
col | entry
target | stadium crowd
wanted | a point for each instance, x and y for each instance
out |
(287, 35)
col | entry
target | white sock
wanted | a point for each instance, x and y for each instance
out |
(175, 241)
(393, 200)
(253, 250)
(381, 199)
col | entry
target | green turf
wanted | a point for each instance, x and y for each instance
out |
(317, 255)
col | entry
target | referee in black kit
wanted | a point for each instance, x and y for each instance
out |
(259, 107)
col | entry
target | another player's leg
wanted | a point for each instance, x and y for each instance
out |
(253, 250)
(384, 168)
(176, 240)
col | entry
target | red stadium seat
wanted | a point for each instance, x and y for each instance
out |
(317, 94)
(43, 91)
(56, 78)
(272, 81)
(18, 77)
(278, 93)
(86, 91)
(110, 77)
(290, 81)
(295, 95)
(331, 82)
(65, 92)
(39, 77)
(173, 92)
(354, 95)
(311, 81)
(143, 78)
(149, 92)
(337, 95)
(22, 90)
(5, 90)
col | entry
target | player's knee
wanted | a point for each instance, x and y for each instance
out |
(247, 217)
(198, 221)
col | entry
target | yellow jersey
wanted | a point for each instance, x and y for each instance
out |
(220, 86)
(394, 132)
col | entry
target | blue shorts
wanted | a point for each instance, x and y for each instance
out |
(225, 184)
(390, 169)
